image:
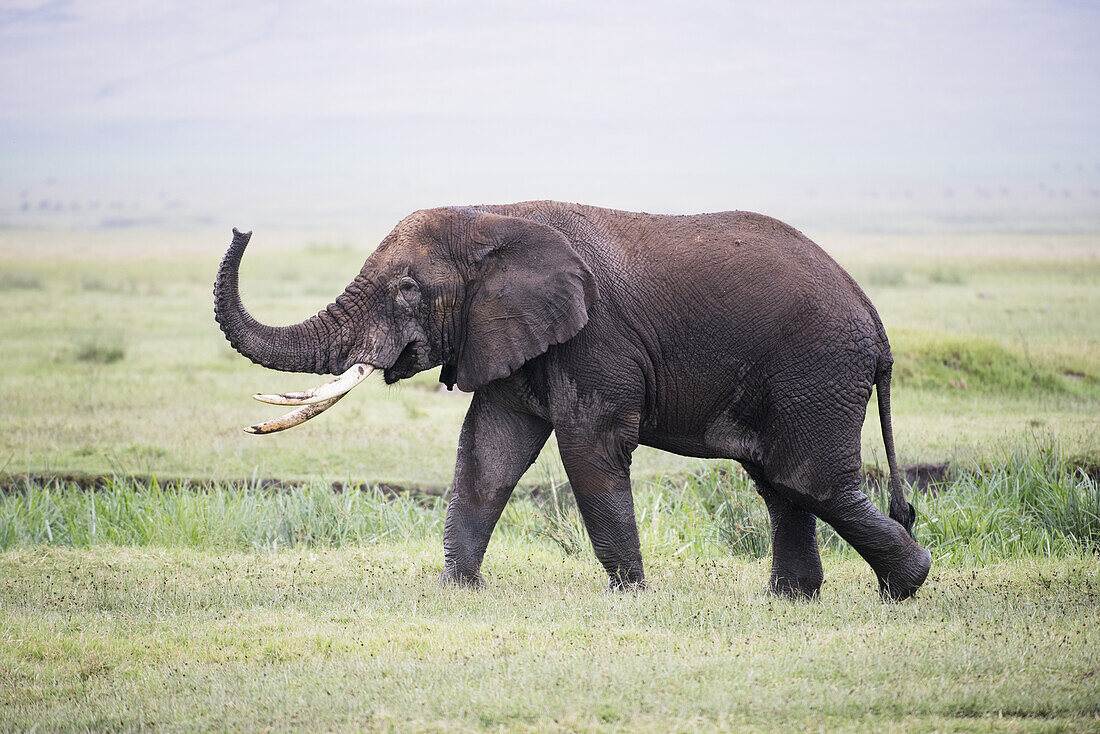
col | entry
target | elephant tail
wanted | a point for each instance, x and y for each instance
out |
(900, 509)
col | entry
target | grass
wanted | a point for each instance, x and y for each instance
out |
(176, 606)
(946, 275)
(360, 637)
(1011, 349)
(1026, 505)
(19, 281)
(889, 276)
(956, 363)
(100, 350)
(192, 602)
(181, 607)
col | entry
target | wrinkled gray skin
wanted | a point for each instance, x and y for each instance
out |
(717, 335)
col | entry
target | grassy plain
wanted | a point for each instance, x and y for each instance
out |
(361, 638)
(174, 607)
(213, 605)
(112, 362)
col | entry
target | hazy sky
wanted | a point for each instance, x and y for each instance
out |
(350, 115)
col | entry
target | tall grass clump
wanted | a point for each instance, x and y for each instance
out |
(1030, 503)
(945, 275)
(559, 520)
(885, 276)
(940, 362)
(129, 511)
(100, 350)
(713, 511)
(16, 281)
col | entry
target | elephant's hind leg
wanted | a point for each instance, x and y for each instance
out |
(816, 465)
(900, 564)
(796, 560)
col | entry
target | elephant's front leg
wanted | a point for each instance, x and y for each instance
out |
(495, 448)
(598, 467)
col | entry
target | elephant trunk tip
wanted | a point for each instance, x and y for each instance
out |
(302, 347)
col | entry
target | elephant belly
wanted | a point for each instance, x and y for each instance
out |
(721, 438)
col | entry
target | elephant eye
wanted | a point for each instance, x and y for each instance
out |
(408, 292)
(407, 285)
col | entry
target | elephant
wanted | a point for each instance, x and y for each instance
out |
(727, 335)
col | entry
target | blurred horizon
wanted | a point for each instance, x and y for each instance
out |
(346, 117)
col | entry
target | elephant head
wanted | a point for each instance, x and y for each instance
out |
(473, 290)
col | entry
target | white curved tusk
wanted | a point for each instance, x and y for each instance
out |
(356, 374)
(294, 417)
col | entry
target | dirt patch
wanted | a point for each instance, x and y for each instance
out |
(922, 478)
(100, 482)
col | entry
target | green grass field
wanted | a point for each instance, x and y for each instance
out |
(177, 607)
(361, 638)
(115, 365)
(190, 602)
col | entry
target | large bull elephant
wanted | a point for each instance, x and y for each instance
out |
(716, 335)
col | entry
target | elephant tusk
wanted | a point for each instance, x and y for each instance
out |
(294, 417)
(341, 385)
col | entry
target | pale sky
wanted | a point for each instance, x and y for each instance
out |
(336, 116)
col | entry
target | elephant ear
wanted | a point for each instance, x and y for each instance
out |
(527, 290)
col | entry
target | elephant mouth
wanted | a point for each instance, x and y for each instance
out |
(312, 402)
(410, 361)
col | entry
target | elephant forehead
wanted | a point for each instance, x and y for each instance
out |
(419, 240)
(429, 264)
(428, 226)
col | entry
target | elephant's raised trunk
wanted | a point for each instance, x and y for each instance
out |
(304, 347)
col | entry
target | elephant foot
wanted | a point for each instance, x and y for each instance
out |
(452, 576)
(903, 581)
(629, 582)
(795, 587)
(626, 587)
